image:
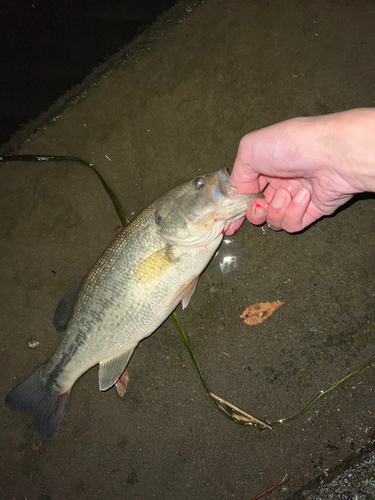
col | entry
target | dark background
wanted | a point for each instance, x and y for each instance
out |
(46, 47)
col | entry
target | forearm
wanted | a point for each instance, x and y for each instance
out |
(345, 143)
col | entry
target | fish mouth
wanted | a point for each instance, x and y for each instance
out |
(225, 184)
(232, 204)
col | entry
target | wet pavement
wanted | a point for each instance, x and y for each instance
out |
(173, 104)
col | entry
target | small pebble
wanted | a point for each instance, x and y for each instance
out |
(32, 344)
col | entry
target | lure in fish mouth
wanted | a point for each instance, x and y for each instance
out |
(152, 266)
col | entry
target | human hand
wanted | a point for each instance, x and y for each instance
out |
(311, 166)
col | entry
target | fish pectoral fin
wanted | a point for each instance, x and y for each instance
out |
(64, 309)
(185, 292)
(154, 266)
(111, 370)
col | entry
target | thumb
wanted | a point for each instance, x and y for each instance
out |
(243, 175)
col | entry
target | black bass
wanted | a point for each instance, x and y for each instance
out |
(152, 265)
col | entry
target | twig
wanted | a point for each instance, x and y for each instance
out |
(248, 418)
(280, 483)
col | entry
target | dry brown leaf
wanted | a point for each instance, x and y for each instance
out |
(239, 414)
(257, 313)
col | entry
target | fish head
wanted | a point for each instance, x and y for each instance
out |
(200, 211)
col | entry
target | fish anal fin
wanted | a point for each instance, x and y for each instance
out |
(154, 266)
(185, 292)
(111, 370)
(122, 384)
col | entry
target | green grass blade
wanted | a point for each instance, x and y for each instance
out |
(190, 351)
(49, 158)
(323, 393)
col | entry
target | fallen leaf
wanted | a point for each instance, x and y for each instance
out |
(257, 313)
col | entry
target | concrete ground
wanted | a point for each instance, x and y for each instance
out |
(177, 104)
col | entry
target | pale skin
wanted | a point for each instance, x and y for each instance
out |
(312, 166)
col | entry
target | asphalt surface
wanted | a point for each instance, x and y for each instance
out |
(171, 105)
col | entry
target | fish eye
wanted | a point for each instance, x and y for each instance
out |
(200, 183)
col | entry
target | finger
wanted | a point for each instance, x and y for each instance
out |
(234, 227)
(295, 214)
(256, 214)
(292, 185)
(268, 193)
(277, 207)
(257, 211)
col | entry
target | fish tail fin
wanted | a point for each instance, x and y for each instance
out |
(45, 407)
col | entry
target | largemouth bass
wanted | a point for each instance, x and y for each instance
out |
(152, 265)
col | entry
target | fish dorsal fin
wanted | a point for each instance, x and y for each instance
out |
(110, 370)
(185, 292)
(154, 266)
(64, 309)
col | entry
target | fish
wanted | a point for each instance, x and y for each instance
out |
(150, 267)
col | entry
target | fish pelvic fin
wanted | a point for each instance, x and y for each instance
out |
(185, 292)
(188, 292)
(45, 407)
(111, 370)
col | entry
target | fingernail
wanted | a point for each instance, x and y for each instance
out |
(258, 210)
(300, 196)
(278, 200)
